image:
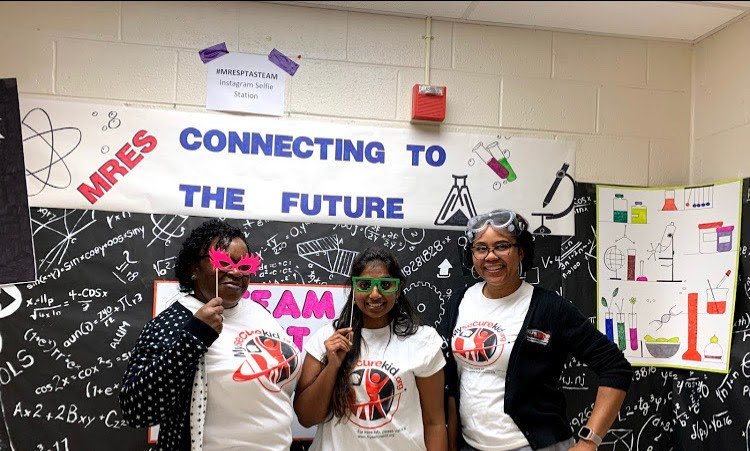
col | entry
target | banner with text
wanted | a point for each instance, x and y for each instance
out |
(118, 158)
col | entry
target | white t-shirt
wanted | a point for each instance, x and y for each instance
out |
(387, 414)
(486, 330)
(252, 369)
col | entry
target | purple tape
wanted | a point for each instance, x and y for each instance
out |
(278, 58)
(213, 52)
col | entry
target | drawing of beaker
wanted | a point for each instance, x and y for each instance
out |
(609, 330)
(638, 213)
(633, 326)
(716, 300)
(620, 208)
(486, 156)
(621, 331)
(631, 264)
(494, 149)
(669, 204)
(458, 206)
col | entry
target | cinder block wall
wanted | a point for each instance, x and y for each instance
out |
(625, 102)
(721, 125)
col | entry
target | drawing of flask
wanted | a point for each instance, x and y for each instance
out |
(503, 160)
(609, 330)
(620, 208)
(458, 206)
(621, 331)
(633, 326)
(491, 162)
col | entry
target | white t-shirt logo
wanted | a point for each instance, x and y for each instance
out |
(479, 345)
(268, 359)
(376, 395)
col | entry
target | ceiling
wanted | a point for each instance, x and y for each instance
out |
(683, 21)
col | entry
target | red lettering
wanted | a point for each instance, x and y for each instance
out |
(92, 194)
(128, 156)
(109, 170)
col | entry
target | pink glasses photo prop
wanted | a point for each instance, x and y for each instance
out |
(221, 260)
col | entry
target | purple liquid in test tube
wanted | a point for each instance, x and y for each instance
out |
(490, 161)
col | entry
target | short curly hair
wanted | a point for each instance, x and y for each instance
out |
(196, 245)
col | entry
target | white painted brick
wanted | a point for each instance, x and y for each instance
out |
(115, 71)
(191, 79)
(610, 159)
(472, 99)
(548, 105)
(345, 89)
(607, 60)
(643, 112)
(669, 65)
(722, 93)
(195, 25)
(398, 41)
(292, 30)
(721, 156)
(93, 20)
(28, 57)
(502, 50)
(669, 162)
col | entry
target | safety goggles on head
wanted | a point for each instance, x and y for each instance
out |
(499, 220)
(386, 285)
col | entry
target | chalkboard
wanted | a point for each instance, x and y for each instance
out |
(64, 348)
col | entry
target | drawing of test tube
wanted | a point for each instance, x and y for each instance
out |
(621, 331)
(490, 161)
(633, 326)
(608, 326)
(503, 160)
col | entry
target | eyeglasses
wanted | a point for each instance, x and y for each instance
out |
(386, 285)
(500, 249)
(499, 220)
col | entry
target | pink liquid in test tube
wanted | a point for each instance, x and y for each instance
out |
(498, 168)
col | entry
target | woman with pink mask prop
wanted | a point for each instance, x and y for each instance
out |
(214, 371)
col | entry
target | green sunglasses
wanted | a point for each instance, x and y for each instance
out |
(386, 285)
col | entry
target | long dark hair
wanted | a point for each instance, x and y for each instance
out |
(196, 245)
(403, 321)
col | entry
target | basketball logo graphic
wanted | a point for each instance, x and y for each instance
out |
(479, 346)
(268, 359)
(376, 397)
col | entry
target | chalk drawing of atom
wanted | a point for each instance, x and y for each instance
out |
(45, 150)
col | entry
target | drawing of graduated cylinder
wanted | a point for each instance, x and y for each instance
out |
(458, 206)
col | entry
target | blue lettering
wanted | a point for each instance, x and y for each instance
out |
(415, 150)
(208, 139)
(430, 156)
(288, 200)
(234, 199)
(195, 145)
(207, 196)
(395, 208)
(242, 143)
(282, 144)
(375, 152)
(296, 147)
(190, 191)
(266, 146)
(323, 143)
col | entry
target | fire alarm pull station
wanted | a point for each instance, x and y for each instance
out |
(428, 103)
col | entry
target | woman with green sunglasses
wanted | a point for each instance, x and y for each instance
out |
(374, 378)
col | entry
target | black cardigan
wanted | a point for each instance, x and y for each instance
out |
(533, 397)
